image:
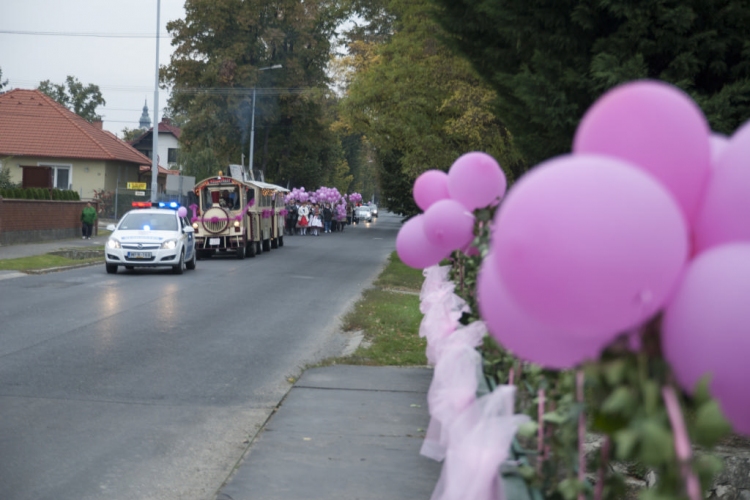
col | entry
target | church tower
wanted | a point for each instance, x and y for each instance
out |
(145, 122)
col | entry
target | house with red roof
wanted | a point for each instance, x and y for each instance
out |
(169, 136)
(43, 144)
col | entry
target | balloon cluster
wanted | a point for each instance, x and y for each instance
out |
(645, 219)
(298, 195)
(355, 198)
(475, 180)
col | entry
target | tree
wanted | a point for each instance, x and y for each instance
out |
(549, 60)
(200, 164)
(2, 83)
(129, 134)
(419, 105)
(220, 47)
(83, 101)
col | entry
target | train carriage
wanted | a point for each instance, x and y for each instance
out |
(240, 217)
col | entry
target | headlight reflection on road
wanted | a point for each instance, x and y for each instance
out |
(167, 311)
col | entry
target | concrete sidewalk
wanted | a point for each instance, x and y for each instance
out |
(342, 432)
(31, 249)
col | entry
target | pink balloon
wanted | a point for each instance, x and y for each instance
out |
(476, 180)
(182, 212)
(723, 216)
(659, 128)
(430, 186)
(525, 336)
(449, 225)
(414, 249)
(719, 143)
(590, 244)
(706, 329)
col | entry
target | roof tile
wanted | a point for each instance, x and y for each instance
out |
(33, 124)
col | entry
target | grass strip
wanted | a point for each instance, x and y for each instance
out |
(45, 261)
(389, 317)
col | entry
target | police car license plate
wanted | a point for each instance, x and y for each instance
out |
(214, 241)
(139, 255)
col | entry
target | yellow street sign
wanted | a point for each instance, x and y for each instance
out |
(136, 185)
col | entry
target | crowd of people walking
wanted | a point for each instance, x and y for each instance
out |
(307, 218)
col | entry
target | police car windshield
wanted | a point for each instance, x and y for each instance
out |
(147, 221)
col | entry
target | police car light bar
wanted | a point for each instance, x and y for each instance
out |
(169, 204)
(141, 204)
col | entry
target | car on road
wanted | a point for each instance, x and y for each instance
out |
(151, 237)
(374, 211)
(362, 214)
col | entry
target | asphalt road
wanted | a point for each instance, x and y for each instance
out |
(147, 385)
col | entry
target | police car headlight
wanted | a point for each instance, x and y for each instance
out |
(113, 243)
(236, 223)
(169, 244)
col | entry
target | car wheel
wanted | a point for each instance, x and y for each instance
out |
(179, 268)
(266, 245)
(281, 241)
(250, 249)
(111, 268)
(191, 263)
(241, 253)
(275, 243)
(258, 247)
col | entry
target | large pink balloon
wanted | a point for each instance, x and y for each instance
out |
(430, 186)
(449, 225)
(414, 249)
(706, 329)
(724, 213)
(476, 180)
(719, 143)
(590, 244)
(525, 336)
(659, 128)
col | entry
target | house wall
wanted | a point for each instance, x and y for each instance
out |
(117, 170)
(86, 175)
(167, 141)
(33, 221)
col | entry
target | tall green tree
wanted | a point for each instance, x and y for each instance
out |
(80, 99)
(548, 60)
(419, 105)
(2, 83)
(221, 48)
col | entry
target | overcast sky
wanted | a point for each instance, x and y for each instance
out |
(117, 53)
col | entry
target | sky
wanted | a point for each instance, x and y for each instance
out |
(110, 43)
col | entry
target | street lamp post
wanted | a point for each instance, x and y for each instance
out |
(252, 121)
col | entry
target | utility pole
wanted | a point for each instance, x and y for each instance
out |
(155, 135)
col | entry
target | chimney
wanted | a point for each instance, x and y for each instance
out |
(98, 124)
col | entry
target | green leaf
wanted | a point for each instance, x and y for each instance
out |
(614, 371)
(707, 466)
(701, 394)
(608, 424)
(621, 401)
(528, 429)
(625, 442)
(555, 417)
(710, 424)
(657, 444)
(569, 488)
(651, 396)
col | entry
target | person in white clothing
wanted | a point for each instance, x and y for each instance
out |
(302, 222)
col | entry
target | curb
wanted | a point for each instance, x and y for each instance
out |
(62, 268)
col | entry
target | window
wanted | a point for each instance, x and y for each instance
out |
(172, 155)
(62, 177)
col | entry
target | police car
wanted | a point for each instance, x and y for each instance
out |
(151, 237)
